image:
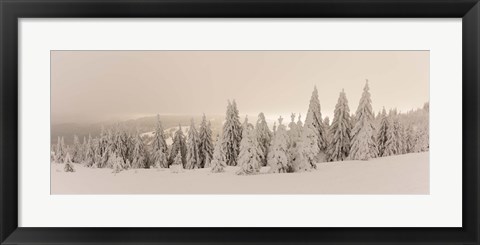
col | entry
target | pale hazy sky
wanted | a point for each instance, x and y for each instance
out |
(92, 86)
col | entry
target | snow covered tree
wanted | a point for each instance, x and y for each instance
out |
(178, 159)
(89, 159)
(300, 162)
(383, 134)
(249, 159)
(102, 149)
(96, 151)
(308, 146)
(116, 162)
(294, 132)
(423, 130)
(395, 141)
(159, 146)
(410, 139)
(128, 164)
(339, 146)
(139, 154)
(68, 163)
(264, 137)
(205, 146)
(177, 165)
(246, 125)
(303, 155)
(277, 157)
(292, 125)
(111, 144)
(363, 145)
(400, 133)
(118, 144)
(67, 158)
(294, 136)
(160, 159)
(76, 150)
(391, 145)
(314, 118)
(60, 150)
(125, 145)
(56, 151)
(299, 122)
(52, 153)
(83, 149)
(64, 149)
(218, 164)
(178, 145)
(193, 159)
(232, 134)
(421, 140)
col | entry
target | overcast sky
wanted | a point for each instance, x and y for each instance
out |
(93, 86)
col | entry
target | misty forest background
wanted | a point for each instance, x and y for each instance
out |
(290, 145)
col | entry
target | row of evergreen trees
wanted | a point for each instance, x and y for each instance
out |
(361, 136)
(119, 149)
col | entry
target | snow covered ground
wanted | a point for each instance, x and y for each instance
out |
(404, 174)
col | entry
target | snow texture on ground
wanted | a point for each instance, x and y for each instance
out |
(403, 174)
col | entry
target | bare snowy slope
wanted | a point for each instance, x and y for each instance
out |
(404, 174)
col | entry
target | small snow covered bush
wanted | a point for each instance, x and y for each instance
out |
(176, 168)
(68, 164)
(69, 167)
(117, 163)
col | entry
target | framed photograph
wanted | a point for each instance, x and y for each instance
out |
(175, 122)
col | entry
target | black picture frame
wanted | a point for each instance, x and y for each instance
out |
(12, 10)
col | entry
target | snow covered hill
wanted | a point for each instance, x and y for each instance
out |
(403, 174)
(169, 132)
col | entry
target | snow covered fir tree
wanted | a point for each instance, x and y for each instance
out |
(232, 134)
(264, 137)
(249, 158)
(260, 146)
(159, 146)
(363, 145)
(278, 159)
(205, 144)
(339, 145)
(179, 145)
(218, 164)
(315, 121)
(193, 158)
(382, 135)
